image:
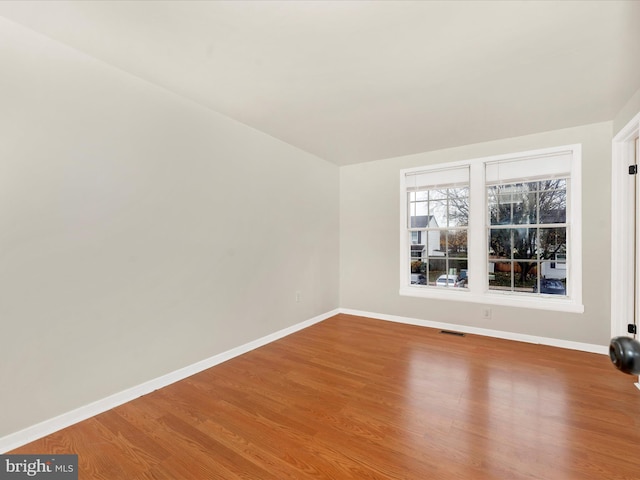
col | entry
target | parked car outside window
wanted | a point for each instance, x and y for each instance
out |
(418, 279)
(447, 281)
(551, 287)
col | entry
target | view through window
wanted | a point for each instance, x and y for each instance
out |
(527, 236)
(495, 230)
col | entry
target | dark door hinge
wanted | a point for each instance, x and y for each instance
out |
(633, 169)
(631, 328)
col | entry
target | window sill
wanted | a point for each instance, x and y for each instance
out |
(490, 298)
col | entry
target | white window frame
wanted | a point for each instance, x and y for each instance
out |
(478, 289)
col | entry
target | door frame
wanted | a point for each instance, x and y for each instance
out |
(623, 224)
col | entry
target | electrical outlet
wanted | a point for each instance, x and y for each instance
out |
(298, 296)
(486, 312)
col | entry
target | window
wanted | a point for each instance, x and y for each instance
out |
(503, 230)
(438, 205)
(527, 229)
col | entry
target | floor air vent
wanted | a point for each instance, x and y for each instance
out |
(449, 332)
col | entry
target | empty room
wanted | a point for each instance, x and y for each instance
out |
(319, 239)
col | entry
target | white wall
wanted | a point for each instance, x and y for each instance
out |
(627, 112)
(129, 219)
(369, 270)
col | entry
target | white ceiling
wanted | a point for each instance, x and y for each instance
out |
(354, 81)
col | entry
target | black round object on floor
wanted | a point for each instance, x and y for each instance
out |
(625, 354)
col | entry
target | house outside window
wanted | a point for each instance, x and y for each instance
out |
(501, 230)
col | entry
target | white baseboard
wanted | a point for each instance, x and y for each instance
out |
(47, 427)
(554, 342)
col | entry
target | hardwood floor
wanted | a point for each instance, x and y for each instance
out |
(356, 398)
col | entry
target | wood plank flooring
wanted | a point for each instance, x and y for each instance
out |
(357, 398)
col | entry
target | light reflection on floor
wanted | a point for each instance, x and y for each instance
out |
(480, 415)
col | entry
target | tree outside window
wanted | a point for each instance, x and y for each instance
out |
(527, 232)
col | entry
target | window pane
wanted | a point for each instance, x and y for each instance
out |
(417, 251)
(422, 195)
(436, 267)
(435, 240)
(553, 241)
(525, 276)
(438, 194)
(422, 208)
(561, 183)
(418, 266)
(458, 207)
(525, 207)
(524, 243)
(533, 186)
(502, 210)
(500, 206)
(457, 243)
(500, 243)
(418, 215)
(492, 192)
(514, 203)
(458, 267)
(553, 278)
(501, 278)
(553, 201)
(492, 203)
(418, 273)
(459, 192)
(438, 210)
